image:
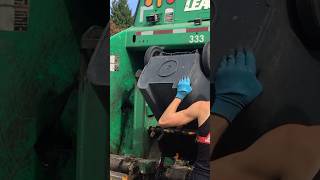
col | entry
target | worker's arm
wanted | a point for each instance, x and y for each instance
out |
(236, 86)
(172, 118)
(218, 125)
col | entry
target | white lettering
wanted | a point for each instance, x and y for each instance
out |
(196, 38)
(205, 4)
(187, 6)
(195, 5)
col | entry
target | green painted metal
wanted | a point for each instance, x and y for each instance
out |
(130, 116)
(92, 135)
(39, 95)
(121, 89)
(182, 19)
(139, 139)
(181, 11)
(36, 69)
(181, 40)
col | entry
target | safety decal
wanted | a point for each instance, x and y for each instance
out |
(169, 15)
(14, 15)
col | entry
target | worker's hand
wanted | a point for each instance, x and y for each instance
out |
(236, 84)
(183, 88)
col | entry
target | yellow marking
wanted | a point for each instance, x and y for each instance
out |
(148, 3)
(159, 3)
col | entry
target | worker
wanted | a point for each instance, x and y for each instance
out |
(236, 86)
(199, 111)
(288, 152)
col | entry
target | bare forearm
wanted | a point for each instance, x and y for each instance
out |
(171, 109)
(217, 127)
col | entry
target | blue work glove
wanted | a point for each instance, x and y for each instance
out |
(236, 84)
(183, 88)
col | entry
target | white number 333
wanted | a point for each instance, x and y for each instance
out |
(196, 38)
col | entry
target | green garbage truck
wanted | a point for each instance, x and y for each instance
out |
(160, 27)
